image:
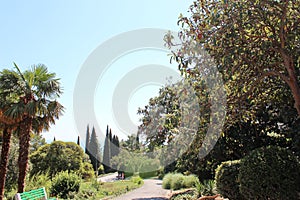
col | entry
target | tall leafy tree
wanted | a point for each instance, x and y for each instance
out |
(36, 142)
(56, 157)
(35, 92)
(251, 42)
(7, 124)
(94, 150)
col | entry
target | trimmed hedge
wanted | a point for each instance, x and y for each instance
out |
(227, 181)
(270, 173)
(145, 175)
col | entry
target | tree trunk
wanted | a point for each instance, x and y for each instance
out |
(4, 159)
(292, 81)
(24, 143)
(296, 94)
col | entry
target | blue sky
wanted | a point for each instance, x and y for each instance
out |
(62, 34)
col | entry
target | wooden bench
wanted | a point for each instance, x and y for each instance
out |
(38, 194)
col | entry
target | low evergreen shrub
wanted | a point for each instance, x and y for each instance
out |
(270, 173)
(227, 181)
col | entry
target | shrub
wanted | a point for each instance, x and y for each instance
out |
(86, 171)
(160, 173)
(209, 187)
(177, 181)
(167, 181)
(65, 183)
(187, 194)
(101, 169)
(190, 181)
(270, 173)
(137, 180)
(226, 178)
(38, 180)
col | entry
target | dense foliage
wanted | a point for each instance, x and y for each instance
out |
(134, 162)
(270, 173)
(227, 181)
(86, 171)
(65, 183)
(56, 157)
(250, 41)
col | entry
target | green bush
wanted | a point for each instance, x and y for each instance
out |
(160, 173)
(187, 194)
(101, 169)
(190, 181)
(270, 173)
(136, 179)
(65, 183)
(227, 182)
(86, 171)
(177, 181)
(167, 181)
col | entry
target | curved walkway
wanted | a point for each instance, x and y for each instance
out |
(108, 178)
(151, 190)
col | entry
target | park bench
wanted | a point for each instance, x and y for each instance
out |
(38, 194)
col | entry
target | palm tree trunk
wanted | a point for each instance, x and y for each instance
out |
(24, 143)
(4, 159)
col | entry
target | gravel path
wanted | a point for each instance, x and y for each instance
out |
(108, 178)
(151, 190)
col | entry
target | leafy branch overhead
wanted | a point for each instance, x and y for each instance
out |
(252, 43)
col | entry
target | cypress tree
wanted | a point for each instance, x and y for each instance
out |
(110, 135)
(113, 146)
(87, 140)
(78, 140)
(106, 152)
(137, 142)
(117, 146)
(94, 150)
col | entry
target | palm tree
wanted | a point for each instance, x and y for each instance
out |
(6, 126)
(35, 93)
